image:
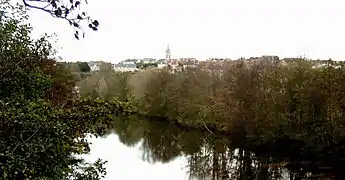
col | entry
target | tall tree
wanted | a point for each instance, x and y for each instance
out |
(35, 128)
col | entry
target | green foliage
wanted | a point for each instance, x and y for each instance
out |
(63, 82)
(37, 132)
(43, 125)
(89, 86)
(142, 65)
(105, 68)
(20, 75)
(83, 66)
(107, 85)
(71, 66)
(260, 101)
(118, 86)
(282, 112)
(183, 96)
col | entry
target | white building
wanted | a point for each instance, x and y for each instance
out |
(94, 66)
(162, 63)
(125, 67)
(129, 61)
(148, 60)
(326, 65)
(185, 66)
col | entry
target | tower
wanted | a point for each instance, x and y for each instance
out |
(167, 54)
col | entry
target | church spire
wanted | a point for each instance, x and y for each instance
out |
(168, 55)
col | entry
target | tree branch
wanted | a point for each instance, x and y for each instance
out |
(206, 127)
(36, 7)
(24, 141)
(58, 9)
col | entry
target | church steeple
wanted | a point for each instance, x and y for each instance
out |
(167, 55)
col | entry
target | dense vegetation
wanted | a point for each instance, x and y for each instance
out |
(43, 124)
(259, 107)
(268, 106)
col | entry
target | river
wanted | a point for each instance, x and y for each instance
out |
(137, 148)
(127, 163)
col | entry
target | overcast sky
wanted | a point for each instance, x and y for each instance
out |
(204, 28)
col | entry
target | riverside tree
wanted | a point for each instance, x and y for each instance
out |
(43, 125)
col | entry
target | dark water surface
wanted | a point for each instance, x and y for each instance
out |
(138, 148)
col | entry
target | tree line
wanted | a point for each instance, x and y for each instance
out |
(258, 102)
(265, 106)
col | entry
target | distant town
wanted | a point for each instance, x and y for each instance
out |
(132, 65)
(176, 65)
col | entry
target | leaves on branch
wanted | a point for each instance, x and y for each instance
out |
(69, 12)
(77, 3)
(41, 118)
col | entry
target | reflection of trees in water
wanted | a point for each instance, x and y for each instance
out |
(129, 130)
(210, 156)
(164, 142)
(159, 146)
(217, 161)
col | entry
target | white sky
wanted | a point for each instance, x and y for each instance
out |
(204, 28)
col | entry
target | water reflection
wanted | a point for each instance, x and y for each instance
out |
(158, 150)
(126, 163)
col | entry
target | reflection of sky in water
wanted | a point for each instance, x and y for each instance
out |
(126, 163)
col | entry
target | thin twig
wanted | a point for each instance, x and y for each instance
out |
(25, 141)
(47, 5)
(10, 69)
(206, 127)
(35, 7)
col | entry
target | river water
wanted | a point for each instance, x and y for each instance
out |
(138, 148)
(128, 163)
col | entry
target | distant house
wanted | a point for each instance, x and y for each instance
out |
(148, 60)
(269, 58)
(183, 60)
(218, 59)
(95, 65)
(174, 65)
(125, 67)
(185, 66)
(326, 65)
(161, 66)
(162, 63)
(189, 62)
(113, 67)
(128, 65)
(130, 61)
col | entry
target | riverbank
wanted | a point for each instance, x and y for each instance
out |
(262, 106)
